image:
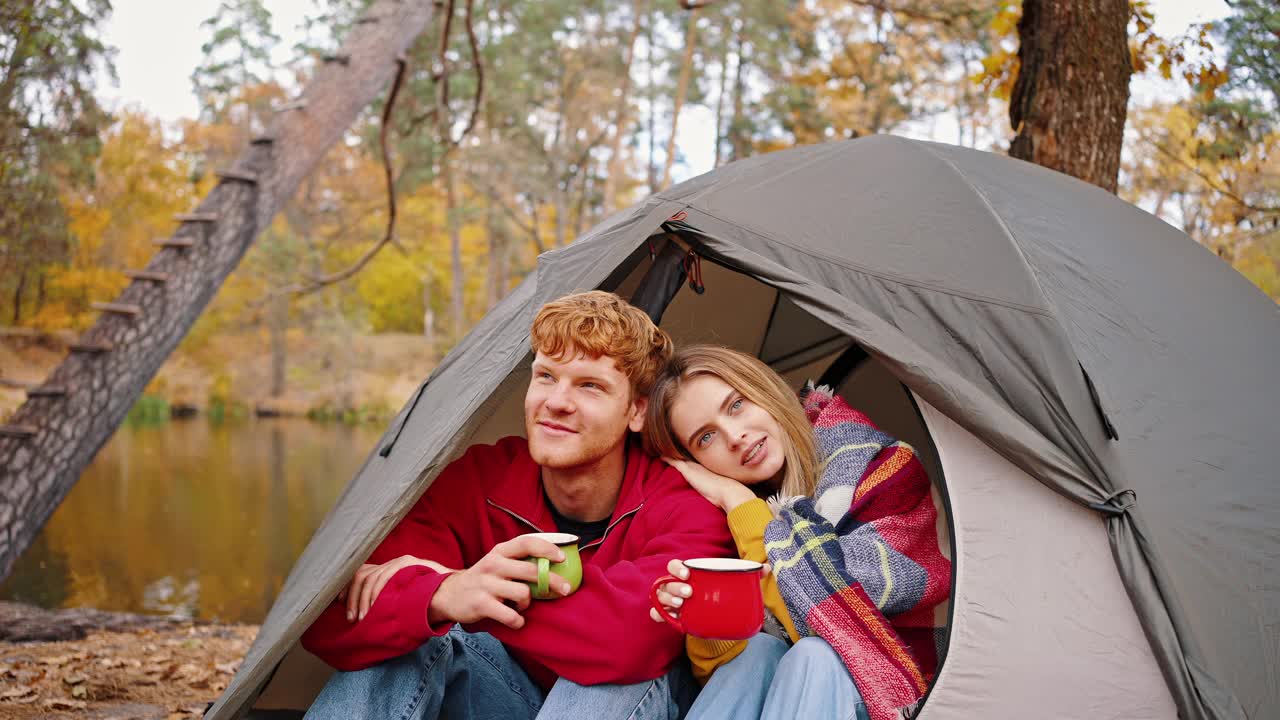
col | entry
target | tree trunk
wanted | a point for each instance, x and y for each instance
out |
(1069, 100)
(724, 86)
(739, 143)
(621, 115)
(682, 89)
(457, 312)
(428, 313)
(17, 301)
(40, 294)
(495, 279)
(39, 470)
(584, 189)
(278, 327)
(651, 167)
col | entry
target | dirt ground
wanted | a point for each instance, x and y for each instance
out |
(147, 673)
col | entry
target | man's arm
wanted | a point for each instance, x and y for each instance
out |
(602, 633)
(396, 623)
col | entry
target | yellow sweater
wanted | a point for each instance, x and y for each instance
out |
(747, 523)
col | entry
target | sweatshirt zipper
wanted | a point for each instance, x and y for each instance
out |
(591, 544)
(600, 539)
(515, 515)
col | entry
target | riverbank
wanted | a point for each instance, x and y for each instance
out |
(86, 663)
(352, 378)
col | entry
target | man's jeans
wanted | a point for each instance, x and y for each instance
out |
(462, 676)
(768, 680)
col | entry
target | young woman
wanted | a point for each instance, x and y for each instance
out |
(851, 538)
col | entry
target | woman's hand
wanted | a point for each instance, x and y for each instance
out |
(672, 594)
(370, 579)
(725, 493)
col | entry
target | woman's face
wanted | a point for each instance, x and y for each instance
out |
(726, 433)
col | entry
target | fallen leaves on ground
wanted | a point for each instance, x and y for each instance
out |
(163, 674)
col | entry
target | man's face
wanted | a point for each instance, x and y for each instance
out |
(578, 409)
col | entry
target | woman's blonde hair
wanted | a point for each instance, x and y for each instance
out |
(759, 384)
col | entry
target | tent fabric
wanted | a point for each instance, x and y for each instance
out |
(1036, 312)
(1011, 554)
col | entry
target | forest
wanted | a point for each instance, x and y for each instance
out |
(514, 127)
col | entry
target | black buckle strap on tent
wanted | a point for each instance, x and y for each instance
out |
(661, 283)
(693, 268)
(1097, 405)
(1117, 503)
(385, 450)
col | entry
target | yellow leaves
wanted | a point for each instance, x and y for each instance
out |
(999, 73)
(141, 183)
(70, 290)
(1225, 200)
(1005, 21)
(1001, 64)
(1260, 262)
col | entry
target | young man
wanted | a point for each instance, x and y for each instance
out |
(416, 638)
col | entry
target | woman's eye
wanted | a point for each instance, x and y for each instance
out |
(737, 404)
(706, 438)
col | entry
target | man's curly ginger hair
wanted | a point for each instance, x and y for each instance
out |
(601, 324)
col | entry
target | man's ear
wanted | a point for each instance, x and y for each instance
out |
(639, 407)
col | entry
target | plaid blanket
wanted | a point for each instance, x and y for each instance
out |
(858, 564)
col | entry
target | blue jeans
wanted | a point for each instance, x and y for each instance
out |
(769, 680)
(470, 676)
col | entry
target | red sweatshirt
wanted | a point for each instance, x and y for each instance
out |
(600, 634)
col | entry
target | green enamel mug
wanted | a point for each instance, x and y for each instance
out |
(570, 568)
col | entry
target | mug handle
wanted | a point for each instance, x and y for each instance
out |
(544, 577)
(653, 601)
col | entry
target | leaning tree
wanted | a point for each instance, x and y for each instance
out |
(65, 420)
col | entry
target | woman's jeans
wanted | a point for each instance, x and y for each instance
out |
(768, 680)
(463, 676)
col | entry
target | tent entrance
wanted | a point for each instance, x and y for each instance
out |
(735, 310)
(741, 312)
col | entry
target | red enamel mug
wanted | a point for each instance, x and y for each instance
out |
(726, 604)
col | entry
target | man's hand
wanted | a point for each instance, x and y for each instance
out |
(482, 591)
(365, 587)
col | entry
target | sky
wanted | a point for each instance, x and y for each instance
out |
(158, 46)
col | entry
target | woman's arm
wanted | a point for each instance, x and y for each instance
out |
(747, 522)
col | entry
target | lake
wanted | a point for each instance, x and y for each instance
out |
(191, 517)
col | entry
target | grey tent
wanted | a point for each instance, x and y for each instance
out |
(1093, 391)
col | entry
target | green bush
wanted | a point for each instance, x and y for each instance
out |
(149, 410)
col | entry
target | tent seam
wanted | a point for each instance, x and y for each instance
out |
(894, 279)
(986, 203)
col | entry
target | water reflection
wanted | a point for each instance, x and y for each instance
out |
(191, 518)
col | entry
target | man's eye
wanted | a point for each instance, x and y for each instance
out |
(591, 385)
(706, 438)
